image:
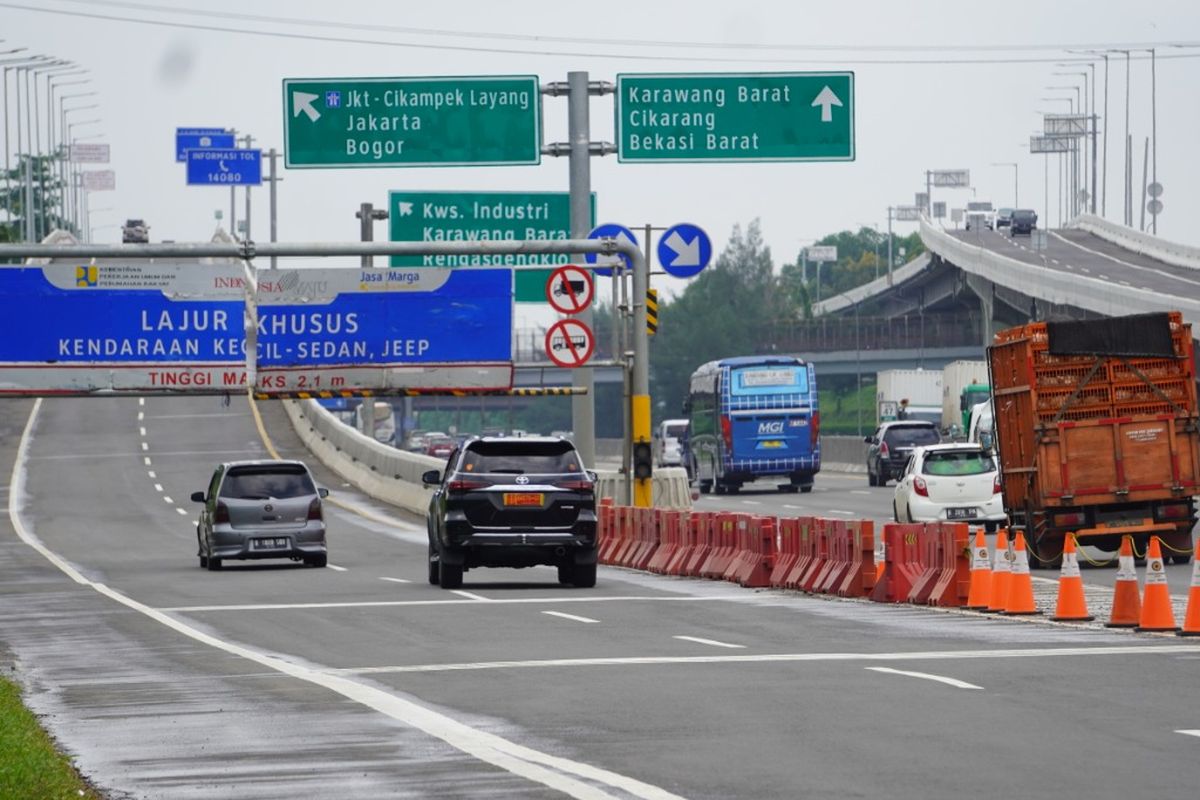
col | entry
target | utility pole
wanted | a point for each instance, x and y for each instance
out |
(1154, 137)
(889, 272)
(1104, 193)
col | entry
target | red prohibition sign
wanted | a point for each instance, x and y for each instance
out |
(570, 289)
(569, 343)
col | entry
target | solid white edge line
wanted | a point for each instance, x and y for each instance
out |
(470, 596)
(711, 642)
(571, 617)
(721, 598)
(1189, 733)
(515, 758)
(926, 676)
(396, 580)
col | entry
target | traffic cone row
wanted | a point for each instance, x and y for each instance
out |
(1157, 614)
(1127, 601)
(981, 574)
(1071, 605)
(1020, 586)
(1001, 573)
(1191, 620)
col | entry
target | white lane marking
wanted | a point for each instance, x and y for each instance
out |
(751, 503)
(182, 511)
(142, 431)
(1141, 267)
(158, 487)
(168, 500)
(571, 617)
(710, 642)
(146, 459)
(1085, 269)
(785, 658)
(729, 598)
(793, 508)
(141, 401)
(1103, 277)
(396, 580)
(839, 511)
(859, 491)
(1189, 733)
(926, 676)
(145, 446)
(198, 416)
(1054, 261)
(336, 568)
(470, 596)
(141, 415)
(557, 773)
(1126, 283)
(152, 475)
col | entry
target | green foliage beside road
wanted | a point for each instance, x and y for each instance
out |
(30, 766)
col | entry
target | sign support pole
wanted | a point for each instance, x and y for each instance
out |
(583, 407)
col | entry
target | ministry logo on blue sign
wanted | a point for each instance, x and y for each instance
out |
(85, 276)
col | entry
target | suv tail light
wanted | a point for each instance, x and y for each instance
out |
(883, 450)
(314, 510)
(576, 486)
(222, 514)
(920, 487)
(727, 432)
(466, 484)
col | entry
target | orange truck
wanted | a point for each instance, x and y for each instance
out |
(1097, 432)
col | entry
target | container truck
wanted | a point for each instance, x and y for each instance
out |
(908, 394)
(964, 386)
(1096, 428)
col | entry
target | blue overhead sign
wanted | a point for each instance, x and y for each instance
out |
(80, 329)
(224, 167)
(198, 138)
(609, 230)
(684, 250)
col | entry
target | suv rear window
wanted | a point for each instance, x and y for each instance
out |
(271, 481)
(520, 456)
(958, 462)
(911, 435)
(676, 431)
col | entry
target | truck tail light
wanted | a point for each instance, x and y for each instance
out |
(1173, 511)
(314, 510)
(996, 488)
(727, 432)
(221, 516)
(1071, 519)
(920, 487)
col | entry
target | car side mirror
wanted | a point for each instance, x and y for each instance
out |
(431, 477)
(323, 492)
(591, 473)
(197, 497)
(869, 439)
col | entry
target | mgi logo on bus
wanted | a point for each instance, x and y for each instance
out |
(765, 428)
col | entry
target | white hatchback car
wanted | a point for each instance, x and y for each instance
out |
(950, 482)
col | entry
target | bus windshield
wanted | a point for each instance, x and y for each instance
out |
(772, 379)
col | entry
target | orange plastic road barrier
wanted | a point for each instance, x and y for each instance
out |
(880, 560)
(1001, 573)
(981, 573)
(1127, 600)
(837, 557)
(1191, 620)
(669, 542)
(1020, 586)
(821, 565)
(687, 543)
(860, 579)
(953, 583)
(704, 525)
(752, 567)
(1071, 605)
(1157, 614)
(903, 562)
(808, 552)
(787, 550)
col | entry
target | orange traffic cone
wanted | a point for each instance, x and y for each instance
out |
(1157, 614)
(1191, 620)
(880, 559)
(1072, 605)
(981, 574)
(1127, 600)
(1020, 585)
(1001, 573)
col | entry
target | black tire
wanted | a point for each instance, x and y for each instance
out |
(895, 512)
(316, 561)
(806, 488)
(450, 576)
(203, 561)
(214, 564)
(584, 575)
(435, 577)
(789, 488)
(733, 488)
(718, 487)
(566, 573)
(704, 486)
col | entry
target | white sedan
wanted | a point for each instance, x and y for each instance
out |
(950, 482)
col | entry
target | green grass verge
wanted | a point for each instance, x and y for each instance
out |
(840, 410)
(31, 768)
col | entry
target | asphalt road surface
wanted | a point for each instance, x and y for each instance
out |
(272, 680)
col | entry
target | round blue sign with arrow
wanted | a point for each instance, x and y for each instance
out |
(684, 250)
(609, 230)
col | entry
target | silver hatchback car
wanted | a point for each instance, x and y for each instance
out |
(261, 509)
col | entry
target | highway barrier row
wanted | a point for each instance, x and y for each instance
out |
(926, 563)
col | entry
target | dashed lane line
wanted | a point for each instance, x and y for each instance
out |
(840, 511)
(396, 580)
(158, 487)
(336, 568)
(1189, 733)
(471, 596)
(182, 511)
(926, 676)
(572, 617)
(710, 642)
(168, 500)
(727, 598)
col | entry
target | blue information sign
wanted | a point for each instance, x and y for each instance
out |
(609, 230)
(196, 138)
(224, 167)
(684, 250)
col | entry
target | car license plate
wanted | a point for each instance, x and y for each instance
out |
(268, 544)
(774, 443)
(961, 513)
(522, 499)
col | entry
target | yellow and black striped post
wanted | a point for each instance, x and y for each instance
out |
(651, 311)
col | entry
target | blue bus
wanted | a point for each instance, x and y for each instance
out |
(753, 417)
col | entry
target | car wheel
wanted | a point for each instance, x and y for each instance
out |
(871, 479)
(895, 512)
(214, 564)
(584, 575)
(789, 488)
(203, 561)
(718, 487)
(319, 560)
(908, 517)
(435, 577)
(566, 573)
(450, 576)
(733, 488)
(806, 488)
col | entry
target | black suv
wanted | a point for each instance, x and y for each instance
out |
(891, 445)
(509, 502)
(1024, 220)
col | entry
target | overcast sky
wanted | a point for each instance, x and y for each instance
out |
(195, 70)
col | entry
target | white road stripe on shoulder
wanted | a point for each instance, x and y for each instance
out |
(168, 500)
(793, 508)
(182, 511)
(336, 568)
(710, 642)
(1189, 733)
(840, 511)
(470, 595)
(158, 487)
(571, 617)
(396, 580)
(926, 676)
(751, 503)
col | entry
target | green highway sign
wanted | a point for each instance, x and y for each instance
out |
(484, 216)
(412, 122)
(758, 116)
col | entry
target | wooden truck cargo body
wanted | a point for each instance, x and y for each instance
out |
(1096, 431)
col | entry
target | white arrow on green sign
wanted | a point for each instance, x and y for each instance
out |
(761, 116)
(484, 216)
(412, 122)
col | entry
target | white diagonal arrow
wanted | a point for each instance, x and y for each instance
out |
(303, 101)
(826, 100)
(687, 254)
(618, 259)
(406, 209)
